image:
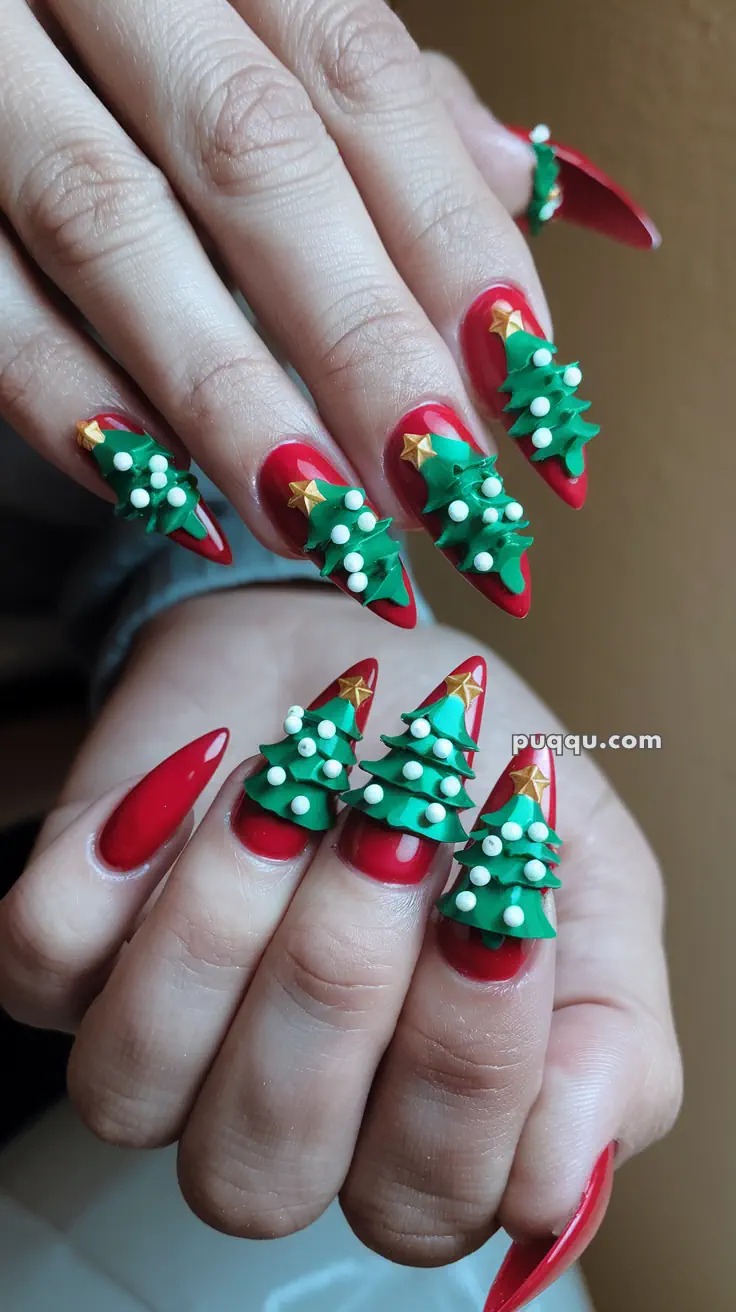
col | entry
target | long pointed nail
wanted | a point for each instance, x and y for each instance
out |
(567, 185)
(494, 913)
(513, 370)
(454, 490)
(149, 486)
(412, 802)
(320, 514)
(153, 810)
(529, 1269)
(294, 793)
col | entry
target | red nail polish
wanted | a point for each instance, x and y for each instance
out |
(276, 836)
(302, 493)
(433, 459)
(153, 810)
(394, 835)
(529, 1269)
(532, 773)
(500, 339)
(204, 535)
(590, 199)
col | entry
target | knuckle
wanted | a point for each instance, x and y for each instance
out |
(370, 329)
(412, 1235)
(109, 1114)
(368, 61)
(332, 976)
(35, 978)
(452, 220)
(467, 1064)
(229, 1205)
(26, 356)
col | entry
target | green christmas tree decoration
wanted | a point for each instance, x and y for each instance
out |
(546, 192)
(480, 522)
(506, 867)
(353, 543)
(145, 480)
(418, 787)
(308, 769)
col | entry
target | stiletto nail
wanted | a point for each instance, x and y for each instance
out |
(412, 802)
(569, 186)
(454, 490)
(333, 524)
(513, 370)
(153, 810)
(528, 1269)
(149, 486)
(294, 793)
(494, 913)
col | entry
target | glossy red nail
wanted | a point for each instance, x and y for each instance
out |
(462, 945)
(153, 810)
(384, 834)
(502, 343)
(432, 446)
(140, 484)
(303, 495)
(529, 1269)
(276, 836)
(590, 199)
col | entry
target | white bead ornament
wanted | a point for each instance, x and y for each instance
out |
(442, 748)
(491, 487)
(306, 747)
(542, 357)
(158, 480)
(276, 776)
(480, 876)
(412, 770)
(538, 832)
(435, 813)
(139, 498)
(458, 511)
(373, 794)
(490, 515)
(176, 496)
(358, 582)
(492, 845)
(514, 510)
(450, 786)
(540, 407)
(465, 901)
(511, 831)
(539, 134)
(326, 729)
(353, 562)
(158, 464)
(420, 729)
(547, 210)
(572, 376)
(332, 768)
(353, 499)
(300, 804)
(293, 724)
(296, 710)
(513, 917)
(367, 521)
(122, 460)
(483, 562)
(340, 534)
(535, 870)
(541, 437)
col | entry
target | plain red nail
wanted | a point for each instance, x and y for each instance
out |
(153, 810)
(287, 487)
(529, 1269)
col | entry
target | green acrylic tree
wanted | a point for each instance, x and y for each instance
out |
(480, 522)
(354, 544)
(145, 480)
(418, 786)
(507, 866)
(544, 397)
(546, 195)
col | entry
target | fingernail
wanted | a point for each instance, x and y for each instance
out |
(512, 367)
(150, 488)
(293, 795)
(529, 1269)
(411, 803)
(494, 913)
(447, 482)
(153, 810)
(333, 524)
(567, 185)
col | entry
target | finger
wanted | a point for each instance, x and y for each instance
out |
(71, 910)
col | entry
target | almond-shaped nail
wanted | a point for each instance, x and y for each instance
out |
(150, 487)
(320, 514)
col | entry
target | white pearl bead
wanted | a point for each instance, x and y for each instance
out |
(420, 728)
(542, 357)
(465, 901)
(483, 562)
(458, 511)
(122, 460)
(541, 437)
(158, 480)
(373, 794)
(540, 407)
(513, 510)
(340, 535)
(367, 521)
(442, 748)
(326, 729)
(357, 582)
(492, 845)
(353, 562)
(547, 210)
(539, 134)
(538, 832)
(450, 786)
(480, 876)
(296, 710)
(572, 376)
(293, 724)
(435, 813)
(276, 775)
(511, 831)
(513, 917)
(535, 870)
(332, 768)
(490, 515)
(176, 496)
(353, 499)
(158, 464)
(139, 498)
(306, 747)
(491, 487)
(300, 804)
(413, 770)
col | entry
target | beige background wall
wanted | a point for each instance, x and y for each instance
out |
(633, 626)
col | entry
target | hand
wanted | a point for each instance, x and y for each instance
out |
(259, 1003)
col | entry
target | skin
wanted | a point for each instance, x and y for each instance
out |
(245, 993)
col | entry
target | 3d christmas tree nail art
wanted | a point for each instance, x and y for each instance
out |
(150, 488)
(546, 195)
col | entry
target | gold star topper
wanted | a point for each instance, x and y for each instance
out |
(505, 320)
(305, 496)
(464, 687)
(529, 782)
(354, 690)
(90, 435)
(417, 448)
